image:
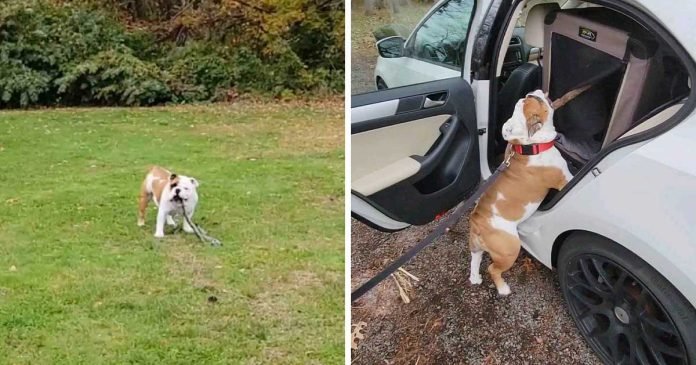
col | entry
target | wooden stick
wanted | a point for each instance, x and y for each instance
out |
(402, 293)
(409, 274)
(570, 95)
(403, 279)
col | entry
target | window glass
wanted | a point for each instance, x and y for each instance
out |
(441, 38)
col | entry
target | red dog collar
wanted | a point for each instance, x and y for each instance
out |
(532, 149)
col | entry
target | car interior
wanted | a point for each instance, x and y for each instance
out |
(415, 148)
(636, 81)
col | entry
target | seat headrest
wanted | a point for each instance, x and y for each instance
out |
(534, 26)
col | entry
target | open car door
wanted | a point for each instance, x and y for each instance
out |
(414, 152)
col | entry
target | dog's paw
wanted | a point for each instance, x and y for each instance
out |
(504, 290)
(159, 235)
(475, 280)
(188, 229)
(141, 223)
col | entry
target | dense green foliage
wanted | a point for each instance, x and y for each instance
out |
(144, 52)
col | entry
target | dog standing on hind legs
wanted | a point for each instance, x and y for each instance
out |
(535, 167)
(168, 191)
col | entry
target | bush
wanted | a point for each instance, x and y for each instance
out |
(200, 73)
(21, 86)
(102, 52)
(113, 78)
(39, 42)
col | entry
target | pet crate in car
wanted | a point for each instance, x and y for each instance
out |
(618, 57)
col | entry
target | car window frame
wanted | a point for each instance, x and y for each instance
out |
(408, 48)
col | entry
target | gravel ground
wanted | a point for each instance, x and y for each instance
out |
(363, 56)
(451, 321)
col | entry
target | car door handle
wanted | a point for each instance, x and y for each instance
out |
(434, 100)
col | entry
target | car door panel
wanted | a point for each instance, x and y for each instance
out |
(416, 138)
(414, 149)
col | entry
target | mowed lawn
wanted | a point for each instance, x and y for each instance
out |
(80, 283)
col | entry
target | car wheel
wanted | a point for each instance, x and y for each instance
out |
(626, 310)
(381, 85)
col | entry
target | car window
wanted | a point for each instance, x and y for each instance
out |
(384, 33)
(441, 38)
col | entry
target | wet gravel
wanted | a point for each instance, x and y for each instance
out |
(451, 321)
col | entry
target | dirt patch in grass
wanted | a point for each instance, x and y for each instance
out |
(307, 136)
(451, 321)
(273, 303)
(288, 131)
(183, 263)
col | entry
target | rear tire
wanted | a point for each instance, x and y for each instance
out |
(624, 308)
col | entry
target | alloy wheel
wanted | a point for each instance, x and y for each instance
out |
(618, 315)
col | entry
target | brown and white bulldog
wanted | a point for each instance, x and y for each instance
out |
(169, 192)
(535, 167)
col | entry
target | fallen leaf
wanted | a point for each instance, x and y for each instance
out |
(357, 335)
(528, 264)
(13, 268)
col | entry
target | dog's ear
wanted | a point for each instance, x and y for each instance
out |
(194, 182)
(173, 180)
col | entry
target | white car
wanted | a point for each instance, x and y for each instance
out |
(622, 233)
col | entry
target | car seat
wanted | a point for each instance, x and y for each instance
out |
(526, 77)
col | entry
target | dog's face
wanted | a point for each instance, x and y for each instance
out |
(532, 120)
(182, 188)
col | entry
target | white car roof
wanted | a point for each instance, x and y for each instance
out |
(677, 16)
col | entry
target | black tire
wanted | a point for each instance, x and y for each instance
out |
(626, 310)
(381, 85)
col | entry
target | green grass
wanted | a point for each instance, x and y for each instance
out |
(80, 283)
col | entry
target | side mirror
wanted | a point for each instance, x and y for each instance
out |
(391, 47)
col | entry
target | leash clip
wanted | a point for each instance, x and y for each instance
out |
(508, 157)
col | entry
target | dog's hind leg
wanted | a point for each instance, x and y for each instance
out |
(142, 205)
(170, 220)
(476, 257)
(504, 249)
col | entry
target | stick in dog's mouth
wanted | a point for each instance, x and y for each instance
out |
(570, 95)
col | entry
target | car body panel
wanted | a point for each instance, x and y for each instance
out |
(621, 204)
(671, 14)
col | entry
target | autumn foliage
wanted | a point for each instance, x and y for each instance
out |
(145, 52)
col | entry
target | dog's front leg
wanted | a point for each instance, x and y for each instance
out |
(162, 214)
(564, 178)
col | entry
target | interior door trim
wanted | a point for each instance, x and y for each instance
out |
(373, 111)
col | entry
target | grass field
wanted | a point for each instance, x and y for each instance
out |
(80, 283)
